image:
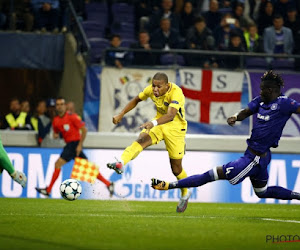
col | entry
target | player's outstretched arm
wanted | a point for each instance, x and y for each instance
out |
(239, 116)
(131, 105)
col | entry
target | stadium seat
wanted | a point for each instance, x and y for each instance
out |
(169, 59)
(93, 29)
(283, 64)
(127, 42)
(256, 63)
(97, 47)
(100, 7)
(124, 29)
(97, 12)
(123, 12)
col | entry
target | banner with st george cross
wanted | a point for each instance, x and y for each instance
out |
(213, 96)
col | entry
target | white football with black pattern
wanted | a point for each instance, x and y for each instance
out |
(70, 189)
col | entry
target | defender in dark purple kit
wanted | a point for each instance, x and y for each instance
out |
(272, 110)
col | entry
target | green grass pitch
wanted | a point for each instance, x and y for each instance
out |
(88, 224)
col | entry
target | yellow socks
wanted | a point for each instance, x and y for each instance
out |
(182, 175)
(131, 152)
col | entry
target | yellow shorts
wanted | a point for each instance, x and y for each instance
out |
(174, 138)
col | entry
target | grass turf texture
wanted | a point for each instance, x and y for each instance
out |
(88, 224)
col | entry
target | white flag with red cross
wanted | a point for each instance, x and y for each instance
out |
(211, 96)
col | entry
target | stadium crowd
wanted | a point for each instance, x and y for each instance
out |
(39, 119)
(270, 26)
(235, 26)
(37, 15)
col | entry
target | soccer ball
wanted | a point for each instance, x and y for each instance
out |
(70, 189)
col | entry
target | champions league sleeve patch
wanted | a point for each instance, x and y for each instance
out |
(175, 102)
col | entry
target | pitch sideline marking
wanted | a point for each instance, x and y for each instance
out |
(278, 220)
(153, 216)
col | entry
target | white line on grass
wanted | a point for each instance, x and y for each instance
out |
(277, 220)
(153, 216)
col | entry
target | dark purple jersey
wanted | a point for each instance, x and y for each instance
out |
(270, 121)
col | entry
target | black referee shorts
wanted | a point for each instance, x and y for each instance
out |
(69, 151)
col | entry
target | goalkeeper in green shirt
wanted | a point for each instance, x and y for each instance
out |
(6, 164)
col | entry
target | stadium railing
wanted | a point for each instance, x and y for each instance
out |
(83, 45)
(218, 56)
(113, 140)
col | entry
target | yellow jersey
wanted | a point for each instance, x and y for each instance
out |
(173, 98)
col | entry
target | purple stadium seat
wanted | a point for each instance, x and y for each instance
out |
(97, 12)
(123, 12)
(97, 47)
(256, 63)
(125, 30)
(169, 59)
(93, 29)
(96, 6)
(283, 64)
(127, 42)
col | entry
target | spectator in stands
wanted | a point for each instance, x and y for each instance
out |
(25, 106)
(143, 11)
(79, 7)
(187, 17)
(265, 18)
(165, 37)
(281, 7)
(201, 38)
(277, 38)
(251, 11)
(116, 58)
(293, 21)
(235, 45)
(4, 10)
(71, 108)
(46, 14)
(143, 58)
(222, 32)
(45, 126)
(253, 40)
(44, 122)
(213, 16)
(164, 12)
(225, 3)
(16, 120)
(297, 50)
(238, 13)
(22, 16)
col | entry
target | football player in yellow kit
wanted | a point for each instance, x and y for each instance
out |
(169, 125)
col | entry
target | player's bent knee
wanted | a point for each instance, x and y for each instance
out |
(261, 192)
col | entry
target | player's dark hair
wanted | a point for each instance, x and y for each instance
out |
(161, 76)
(272, 80)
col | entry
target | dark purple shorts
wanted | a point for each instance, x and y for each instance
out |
(248, 165)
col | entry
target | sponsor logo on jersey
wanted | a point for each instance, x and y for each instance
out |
(263, 117)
